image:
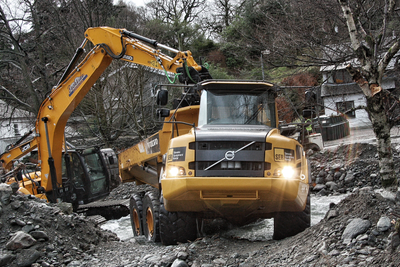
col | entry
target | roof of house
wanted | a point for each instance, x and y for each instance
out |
(334, 89)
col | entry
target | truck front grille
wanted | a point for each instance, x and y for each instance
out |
(246, 162)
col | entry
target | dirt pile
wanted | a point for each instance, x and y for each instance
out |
(33, 231)
(346, 168)
(360, 230)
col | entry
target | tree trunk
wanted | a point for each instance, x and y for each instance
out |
(381, 129)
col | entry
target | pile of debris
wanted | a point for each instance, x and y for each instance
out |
(363, 229)
(34, 231)
(346, 168)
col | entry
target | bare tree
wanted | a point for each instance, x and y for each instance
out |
(375, 40)
(308, 33)
(38, 42)
(220, 16)
(179, 17)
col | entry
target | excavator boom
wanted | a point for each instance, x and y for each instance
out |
(55, 110)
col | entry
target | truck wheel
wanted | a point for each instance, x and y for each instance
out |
(136, 214)
(176, 227)
(151, 208)
(291, 223)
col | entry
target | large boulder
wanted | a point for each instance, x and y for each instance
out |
(20, 240)
(354, 228)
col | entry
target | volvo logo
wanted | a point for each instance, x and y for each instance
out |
(230, 155)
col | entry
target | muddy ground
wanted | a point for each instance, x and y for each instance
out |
(360, 230)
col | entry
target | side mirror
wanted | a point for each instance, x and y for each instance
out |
(163, 112)
(162, 97)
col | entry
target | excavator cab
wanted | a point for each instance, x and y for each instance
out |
(89, 177)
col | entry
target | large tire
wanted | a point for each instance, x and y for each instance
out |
(136, 214)
(291, 223)
(176, 227)
(151, 209)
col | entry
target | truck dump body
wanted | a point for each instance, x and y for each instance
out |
(142, 162)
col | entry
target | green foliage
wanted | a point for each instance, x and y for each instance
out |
(200, 46)
(241, 44)
(217, 72)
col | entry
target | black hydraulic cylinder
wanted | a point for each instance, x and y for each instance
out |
(141, 38)
(79, 51)
(53, 174)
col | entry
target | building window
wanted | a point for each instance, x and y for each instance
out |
(16, 131)
(344, 108)
(342, 76)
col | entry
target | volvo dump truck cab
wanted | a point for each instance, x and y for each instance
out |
(222, 157)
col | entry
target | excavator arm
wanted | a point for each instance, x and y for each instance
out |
(18, 150)
(55, 110)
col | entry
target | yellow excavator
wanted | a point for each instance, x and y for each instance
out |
(74, 175)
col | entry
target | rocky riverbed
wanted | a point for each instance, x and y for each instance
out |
(363, 229)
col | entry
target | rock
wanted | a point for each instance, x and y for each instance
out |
(75, 264)
(15, 205)
(323, 192)
(39, 235)
(20, 240)
(336, 166)
(386, 194)
(329, 178)
(383, 224)
(398, 194)
(14, 187)
(219, 261)
(6, 259)
(65, 207)
(154, 259)
(334, 252)
(5, 193)
(27, 257)
(394, 241)
(319, 187)
(182, 255)
(355, 227)
(337, 175)
(18, 222)
(322, 174)
(331, 214)
(27, 228)
(332, 186)
(349, 177)
(179, 263)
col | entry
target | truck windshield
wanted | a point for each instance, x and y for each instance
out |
(251, 108)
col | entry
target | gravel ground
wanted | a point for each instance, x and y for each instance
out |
(363, 229)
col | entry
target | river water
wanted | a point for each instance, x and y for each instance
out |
(259, 231)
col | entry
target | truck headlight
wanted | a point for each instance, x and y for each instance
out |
(288, 172)
(176, 171)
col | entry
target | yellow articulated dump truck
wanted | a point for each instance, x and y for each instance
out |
(218, 155)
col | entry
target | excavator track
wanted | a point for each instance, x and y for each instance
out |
(101, 211)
